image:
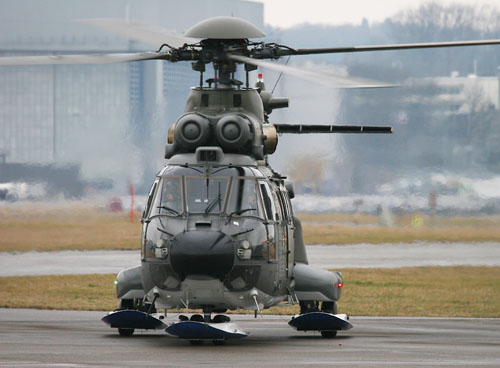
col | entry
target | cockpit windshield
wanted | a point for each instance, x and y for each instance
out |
(244, 199)
(228, 190)
(168, 199)
(205, 194)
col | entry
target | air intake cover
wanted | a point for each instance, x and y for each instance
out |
(192, 131)
(232, 132)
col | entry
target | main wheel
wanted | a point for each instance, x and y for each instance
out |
(126, 331)
(328, 334)
(221, 318)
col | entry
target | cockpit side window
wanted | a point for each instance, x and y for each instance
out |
(268, 202)
(168, 200)
(287, 206)
(151, 195)
(244, 199)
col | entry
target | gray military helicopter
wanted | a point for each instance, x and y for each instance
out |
(218, 229)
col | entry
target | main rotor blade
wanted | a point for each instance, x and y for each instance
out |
(305, 129)
(327, 79)
(151, 36)
(405, 46)
(80, 59)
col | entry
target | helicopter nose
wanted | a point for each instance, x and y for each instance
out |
(198, 252)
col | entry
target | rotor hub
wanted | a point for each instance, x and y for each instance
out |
(224, 28)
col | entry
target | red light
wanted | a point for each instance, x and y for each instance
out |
(340, 284)
(260, 76)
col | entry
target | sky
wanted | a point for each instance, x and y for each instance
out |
(287, 13)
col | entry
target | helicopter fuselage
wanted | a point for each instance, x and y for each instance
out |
(218, 229)
(216, 237)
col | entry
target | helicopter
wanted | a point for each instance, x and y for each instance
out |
(218, 228)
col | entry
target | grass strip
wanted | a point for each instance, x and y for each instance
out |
(342, 234)
(412, 291)
(82, 229)
(76, 228)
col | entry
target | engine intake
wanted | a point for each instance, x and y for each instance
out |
(232, 132)
(192, 131)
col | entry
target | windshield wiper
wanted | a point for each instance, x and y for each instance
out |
(171, 210)
(239, 212)
(216, 200)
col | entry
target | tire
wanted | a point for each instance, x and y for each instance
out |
(221, 318)
(197, 318)
(328, 334)
(126, 331)
(126, 304)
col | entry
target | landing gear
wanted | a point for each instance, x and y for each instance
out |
(219, 318)
(322, 317)
(132, 314)
(126, 331)
(137, 304)
(328, 334)
(199, 328)
(309, 306)
(329, 307)
(124, 305)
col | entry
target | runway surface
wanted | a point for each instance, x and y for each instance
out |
(325, 256)
(32, 338)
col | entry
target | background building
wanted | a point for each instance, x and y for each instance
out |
(110, 119)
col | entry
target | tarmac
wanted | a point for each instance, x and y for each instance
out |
(34, 338)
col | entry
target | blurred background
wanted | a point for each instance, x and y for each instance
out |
(90, 132)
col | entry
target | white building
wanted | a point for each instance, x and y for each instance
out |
(101, 116)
